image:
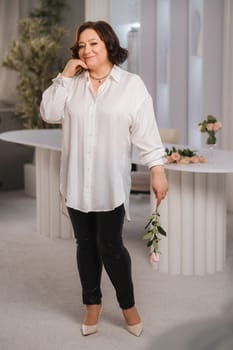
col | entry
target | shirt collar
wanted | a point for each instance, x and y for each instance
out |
(115, 73)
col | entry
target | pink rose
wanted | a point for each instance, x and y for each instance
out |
(185, 160)
(175, 156)
(202, 159)
(169, 160)
(194, 159)
(210, 126)
(154, 258)
(217, 126)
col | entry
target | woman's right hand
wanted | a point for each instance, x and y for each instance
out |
(72, 67)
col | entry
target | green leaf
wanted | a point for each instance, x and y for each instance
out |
(148, 224)
(161, 231)
(153, 233)
(148, 235)
(173, 149)
(149, 243)
(211, 119)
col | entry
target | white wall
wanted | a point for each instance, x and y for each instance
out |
(179, 66)
(206, 67)
(73, 17)
(187, 104)
(97, 10)
(148, 58)
(213, 57)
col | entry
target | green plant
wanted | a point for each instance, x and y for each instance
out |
(35, 56)
(210, 125)
(153, 235)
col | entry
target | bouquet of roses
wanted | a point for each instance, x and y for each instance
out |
(183, 156)
(210, 125)
(153, 235)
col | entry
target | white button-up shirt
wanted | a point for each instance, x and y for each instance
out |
(98, 133)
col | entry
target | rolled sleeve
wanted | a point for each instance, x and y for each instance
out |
(145, 135)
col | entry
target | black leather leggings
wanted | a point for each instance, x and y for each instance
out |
(99, 242)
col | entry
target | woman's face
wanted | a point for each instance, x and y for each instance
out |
(92, 49)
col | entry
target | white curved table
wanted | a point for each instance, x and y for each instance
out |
(193, 213)
(52, 219)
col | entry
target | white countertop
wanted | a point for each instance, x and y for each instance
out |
(220, 161)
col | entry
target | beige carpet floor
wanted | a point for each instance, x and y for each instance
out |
(40, 297)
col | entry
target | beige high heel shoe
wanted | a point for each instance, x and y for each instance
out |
(90, 329)
(129, 314)
(135, 329)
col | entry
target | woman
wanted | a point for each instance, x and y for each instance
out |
(104, 110)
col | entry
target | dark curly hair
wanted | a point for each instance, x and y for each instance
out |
(116, 54)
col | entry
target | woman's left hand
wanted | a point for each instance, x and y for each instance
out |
(159, 182)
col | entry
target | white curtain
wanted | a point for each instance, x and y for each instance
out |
(10, 12)
(227, 118)
(95, 10)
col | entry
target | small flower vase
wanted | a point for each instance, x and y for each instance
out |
(211, 140)
(211, 145)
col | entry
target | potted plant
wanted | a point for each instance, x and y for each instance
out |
(35, 56)
(210, 125)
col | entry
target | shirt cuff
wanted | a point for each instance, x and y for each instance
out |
(156, 162)
(61, 80)
(156, 157)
